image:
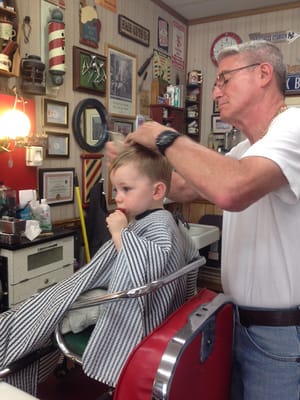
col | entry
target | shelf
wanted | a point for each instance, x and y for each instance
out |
(12, 17)
(193, 111)
(168, 115)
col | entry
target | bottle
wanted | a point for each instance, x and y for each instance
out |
(211, 141)
(45, 216)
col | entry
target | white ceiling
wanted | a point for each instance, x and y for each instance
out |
(196, 9)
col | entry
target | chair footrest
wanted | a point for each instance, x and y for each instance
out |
(76, 342)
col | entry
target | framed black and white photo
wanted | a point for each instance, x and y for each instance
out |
(121, 82)
(58, 145)
(56, 113)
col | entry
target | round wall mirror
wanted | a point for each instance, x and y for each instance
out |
(90, 125)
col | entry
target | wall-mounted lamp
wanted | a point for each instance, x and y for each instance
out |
(14, 125)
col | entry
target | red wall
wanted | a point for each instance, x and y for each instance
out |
(13, 170)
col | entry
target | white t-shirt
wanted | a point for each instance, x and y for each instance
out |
(261, 244)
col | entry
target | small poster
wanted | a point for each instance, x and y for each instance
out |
(161, 66)
(178, 53)
(90, 27)
(163, 34)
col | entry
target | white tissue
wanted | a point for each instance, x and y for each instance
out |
(25, 196)
(32, 229)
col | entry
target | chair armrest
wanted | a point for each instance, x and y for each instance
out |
(138, 291)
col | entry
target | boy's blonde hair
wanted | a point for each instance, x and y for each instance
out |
(149, 163)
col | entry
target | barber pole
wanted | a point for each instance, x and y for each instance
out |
(56, 45)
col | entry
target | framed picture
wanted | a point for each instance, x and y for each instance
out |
(133, 30)
(58, 145)
(111, 195)
(215, 107)
(92, 126)
(292, 101)
(91, 174)
(89, 71)
(57, 185)
(121, 82)
(122, 126)
(219, 126)
(56, 113)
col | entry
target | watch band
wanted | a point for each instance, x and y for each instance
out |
(166, 139)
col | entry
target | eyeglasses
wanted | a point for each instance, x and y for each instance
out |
(221, 80)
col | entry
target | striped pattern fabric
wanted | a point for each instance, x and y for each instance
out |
(152, 247)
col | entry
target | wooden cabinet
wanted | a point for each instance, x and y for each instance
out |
(30, 267)
(169, 116)
(193, 111)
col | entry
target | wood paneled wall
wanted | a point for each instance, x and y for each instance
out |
(145, 13)
(202, 35)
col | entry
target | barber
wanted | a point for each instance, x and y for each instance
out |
(257, 184)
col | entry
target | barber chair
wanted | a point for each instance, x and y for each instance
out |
(187, 356)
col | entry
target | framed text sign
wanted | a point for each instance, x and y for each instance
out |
(134, 31)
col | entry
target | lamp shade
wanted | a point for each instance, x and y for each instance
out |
(13, 124)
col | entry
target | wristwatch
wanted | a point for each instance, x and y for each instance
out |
(166, 139)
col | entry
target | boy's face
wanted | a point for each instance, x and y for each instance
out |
(135, 193)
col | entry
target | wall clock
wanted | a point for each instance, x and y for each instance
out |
(221, 41)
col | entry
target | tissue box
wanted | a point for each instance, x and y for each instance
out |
(12, 225)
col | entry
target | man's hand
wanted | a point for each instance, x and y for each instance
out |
(146, 134)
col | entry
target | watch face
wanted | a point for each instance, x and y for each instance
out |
(224, 40)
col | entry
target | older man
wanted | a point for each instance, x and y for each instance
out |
(258, 186)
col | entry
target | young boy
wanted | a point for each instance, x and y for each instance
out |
(146, 244)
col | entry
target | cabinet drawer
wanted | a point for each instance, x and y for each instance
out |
(40, 259)
(23, 290)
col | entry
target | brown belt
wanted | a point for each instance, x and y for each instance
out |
(269, 317)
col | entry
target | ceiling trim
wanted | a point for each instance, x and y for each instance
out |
(246, 13)
(171, 11)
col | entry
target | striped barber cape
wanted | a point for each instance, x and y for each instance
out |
(153, 246)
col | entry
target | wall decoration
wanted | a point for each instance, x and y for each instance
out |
(145, 102)
(161, 66)
(178, 51)
(89, 71)
(225, 39)
(133, 31)
(292, 101)
(58, 145)
(57, 185)
(91, 174)
(293, 84)
(90, 25)
(56, 46)
(111, 193)
(122, 126)
(219, 126)
(275, 37)
(92, 126)
(215, 107)
(121, 82)
(56, 113)
(47, 9)
(162, 34)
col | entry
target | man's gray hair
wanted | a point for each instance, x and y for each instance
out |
(260, 51)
